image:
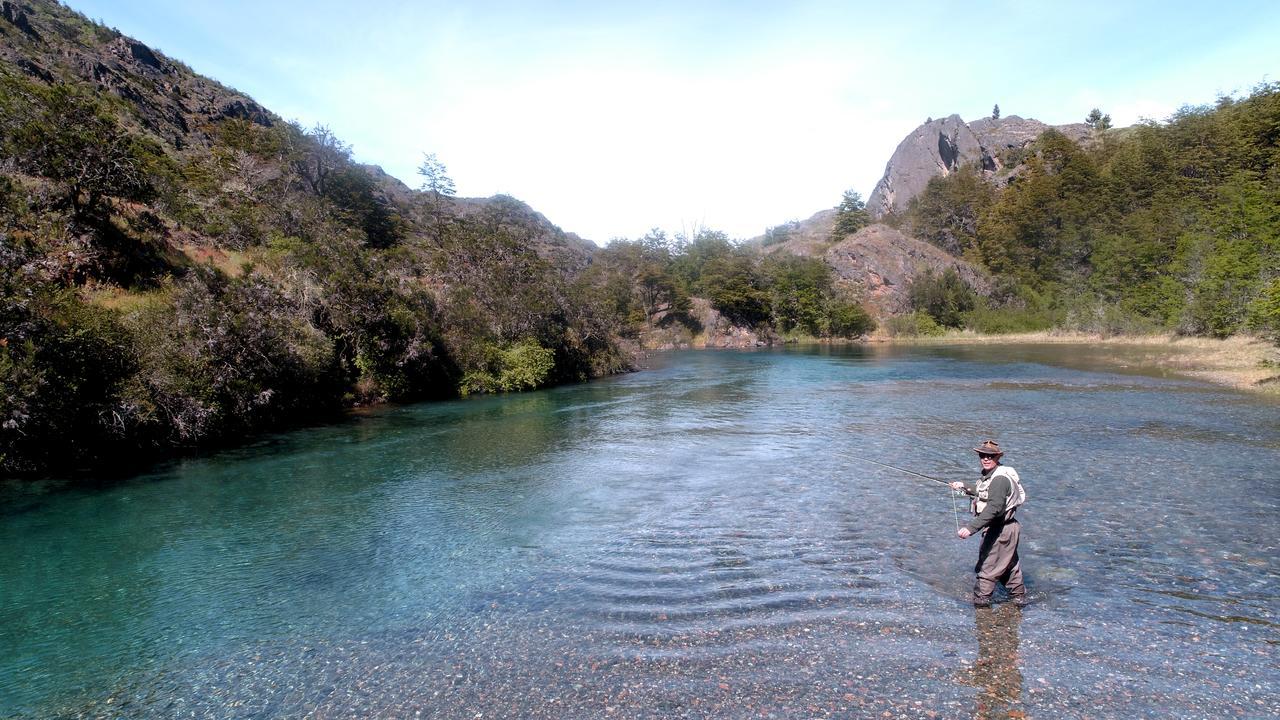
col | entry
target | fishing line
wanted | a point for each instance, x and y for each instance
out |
(954, 507)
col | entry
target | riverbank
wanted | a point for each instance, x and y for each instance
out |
(1241, 362)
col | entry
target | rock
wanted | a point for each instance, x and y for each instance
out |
(939, 147)
(877, 264)
(718, 332)
(133, 52)
(17, 15)
(245, 109)
(935, 148)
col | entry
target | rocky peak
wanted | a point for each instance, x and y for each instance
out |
(939, 147)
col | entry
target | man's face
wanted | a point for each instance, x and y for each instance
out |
(988, 462)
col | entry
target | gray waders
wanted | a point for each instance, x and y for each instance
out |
(998, 563)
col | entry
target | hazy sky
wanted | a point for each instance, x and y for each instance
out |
(614, 118)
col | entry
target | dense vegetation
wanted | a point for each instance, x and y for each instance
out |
(1161, 227)
(651, 281)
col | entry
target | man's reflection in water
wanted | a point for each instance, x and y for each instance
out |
(997, 674)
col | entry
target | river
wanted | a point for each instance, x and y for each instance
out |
(704, 538)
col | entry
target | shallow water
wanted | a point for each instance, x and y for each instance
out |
(701, 539)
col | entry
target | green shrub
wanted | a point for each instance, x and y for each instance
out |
(998, 321)
(61, 363)
(913, 324)
(1264, 312)
(945, 298)
(523, 366)
(848, 319)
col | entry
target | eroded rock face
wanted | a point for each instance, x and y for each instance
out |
(939, 147)
(877, 263)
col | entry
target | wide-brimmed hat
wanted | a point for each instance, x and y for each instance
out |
(990, 447)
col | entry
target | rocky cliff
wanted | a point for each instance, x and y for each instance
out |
(939, 147)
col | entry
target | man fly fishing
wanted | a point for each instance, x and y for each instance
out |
(995, 498)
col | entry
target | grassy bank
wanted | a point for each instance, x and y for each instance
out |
(1242, 362)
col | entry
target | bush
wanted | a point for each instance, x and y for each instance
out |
(848, 319)
(945, 297)
(999, 321)
(912, 325)
(1264, 312)
(223, 357)
(523, 366)
(61, 363)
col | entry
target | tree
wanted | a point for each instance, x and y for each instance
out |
(945, 297)
(322, 154)
(438, 186)
(1097, 120)
(995, 112)
(435, 176)
(72, 138)
(851, 215)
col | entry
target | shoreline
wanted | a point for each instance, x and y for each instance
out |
(1241, 362)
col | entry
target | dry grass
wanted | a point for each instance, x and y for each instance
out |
(119, 299)
(231, 262)
(1242, 361)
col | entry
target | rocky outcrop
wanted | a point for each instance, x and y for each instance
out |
(807, 238)
(939, 147)
(719, 332)
(877, 264)
(17, 15)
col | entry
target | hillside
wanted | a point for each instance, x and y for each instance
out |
(182, 267)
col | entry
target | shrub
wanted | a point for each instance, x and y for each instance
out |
(848, 319)
(61, 363)
(945, 298)
(1264, 312)
(912, 325)
(523, 366)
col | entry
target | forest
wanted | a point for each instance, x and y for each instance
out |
(1161, 227)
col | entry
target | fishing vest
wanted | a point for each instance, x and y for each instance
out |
(1017, 495)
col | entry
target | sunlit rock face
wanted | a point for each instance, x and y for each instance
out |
(878, 263)
(940, 147)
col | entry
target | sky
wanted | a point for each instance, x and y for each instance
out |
(614, 118)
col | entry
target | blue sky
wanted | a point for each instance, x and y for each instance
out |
(614, 118)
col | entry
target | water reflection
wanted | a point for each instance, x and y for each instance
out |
(997, 674)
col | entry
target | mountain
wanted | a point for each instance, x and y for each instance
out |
(940, 147)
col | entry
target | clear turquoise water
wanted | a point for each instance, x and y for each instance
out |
(698, 539)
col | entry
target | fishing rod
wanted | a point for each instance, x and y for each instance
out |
(899, 469)
(954, 509)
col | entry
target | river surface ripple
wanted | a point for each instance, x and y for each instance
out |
(701, 539)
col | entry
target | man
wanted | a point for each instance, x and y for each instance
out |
(996, 497)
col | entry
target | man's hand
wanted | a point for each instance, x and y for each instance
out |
(963, 533)
(957, 485)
